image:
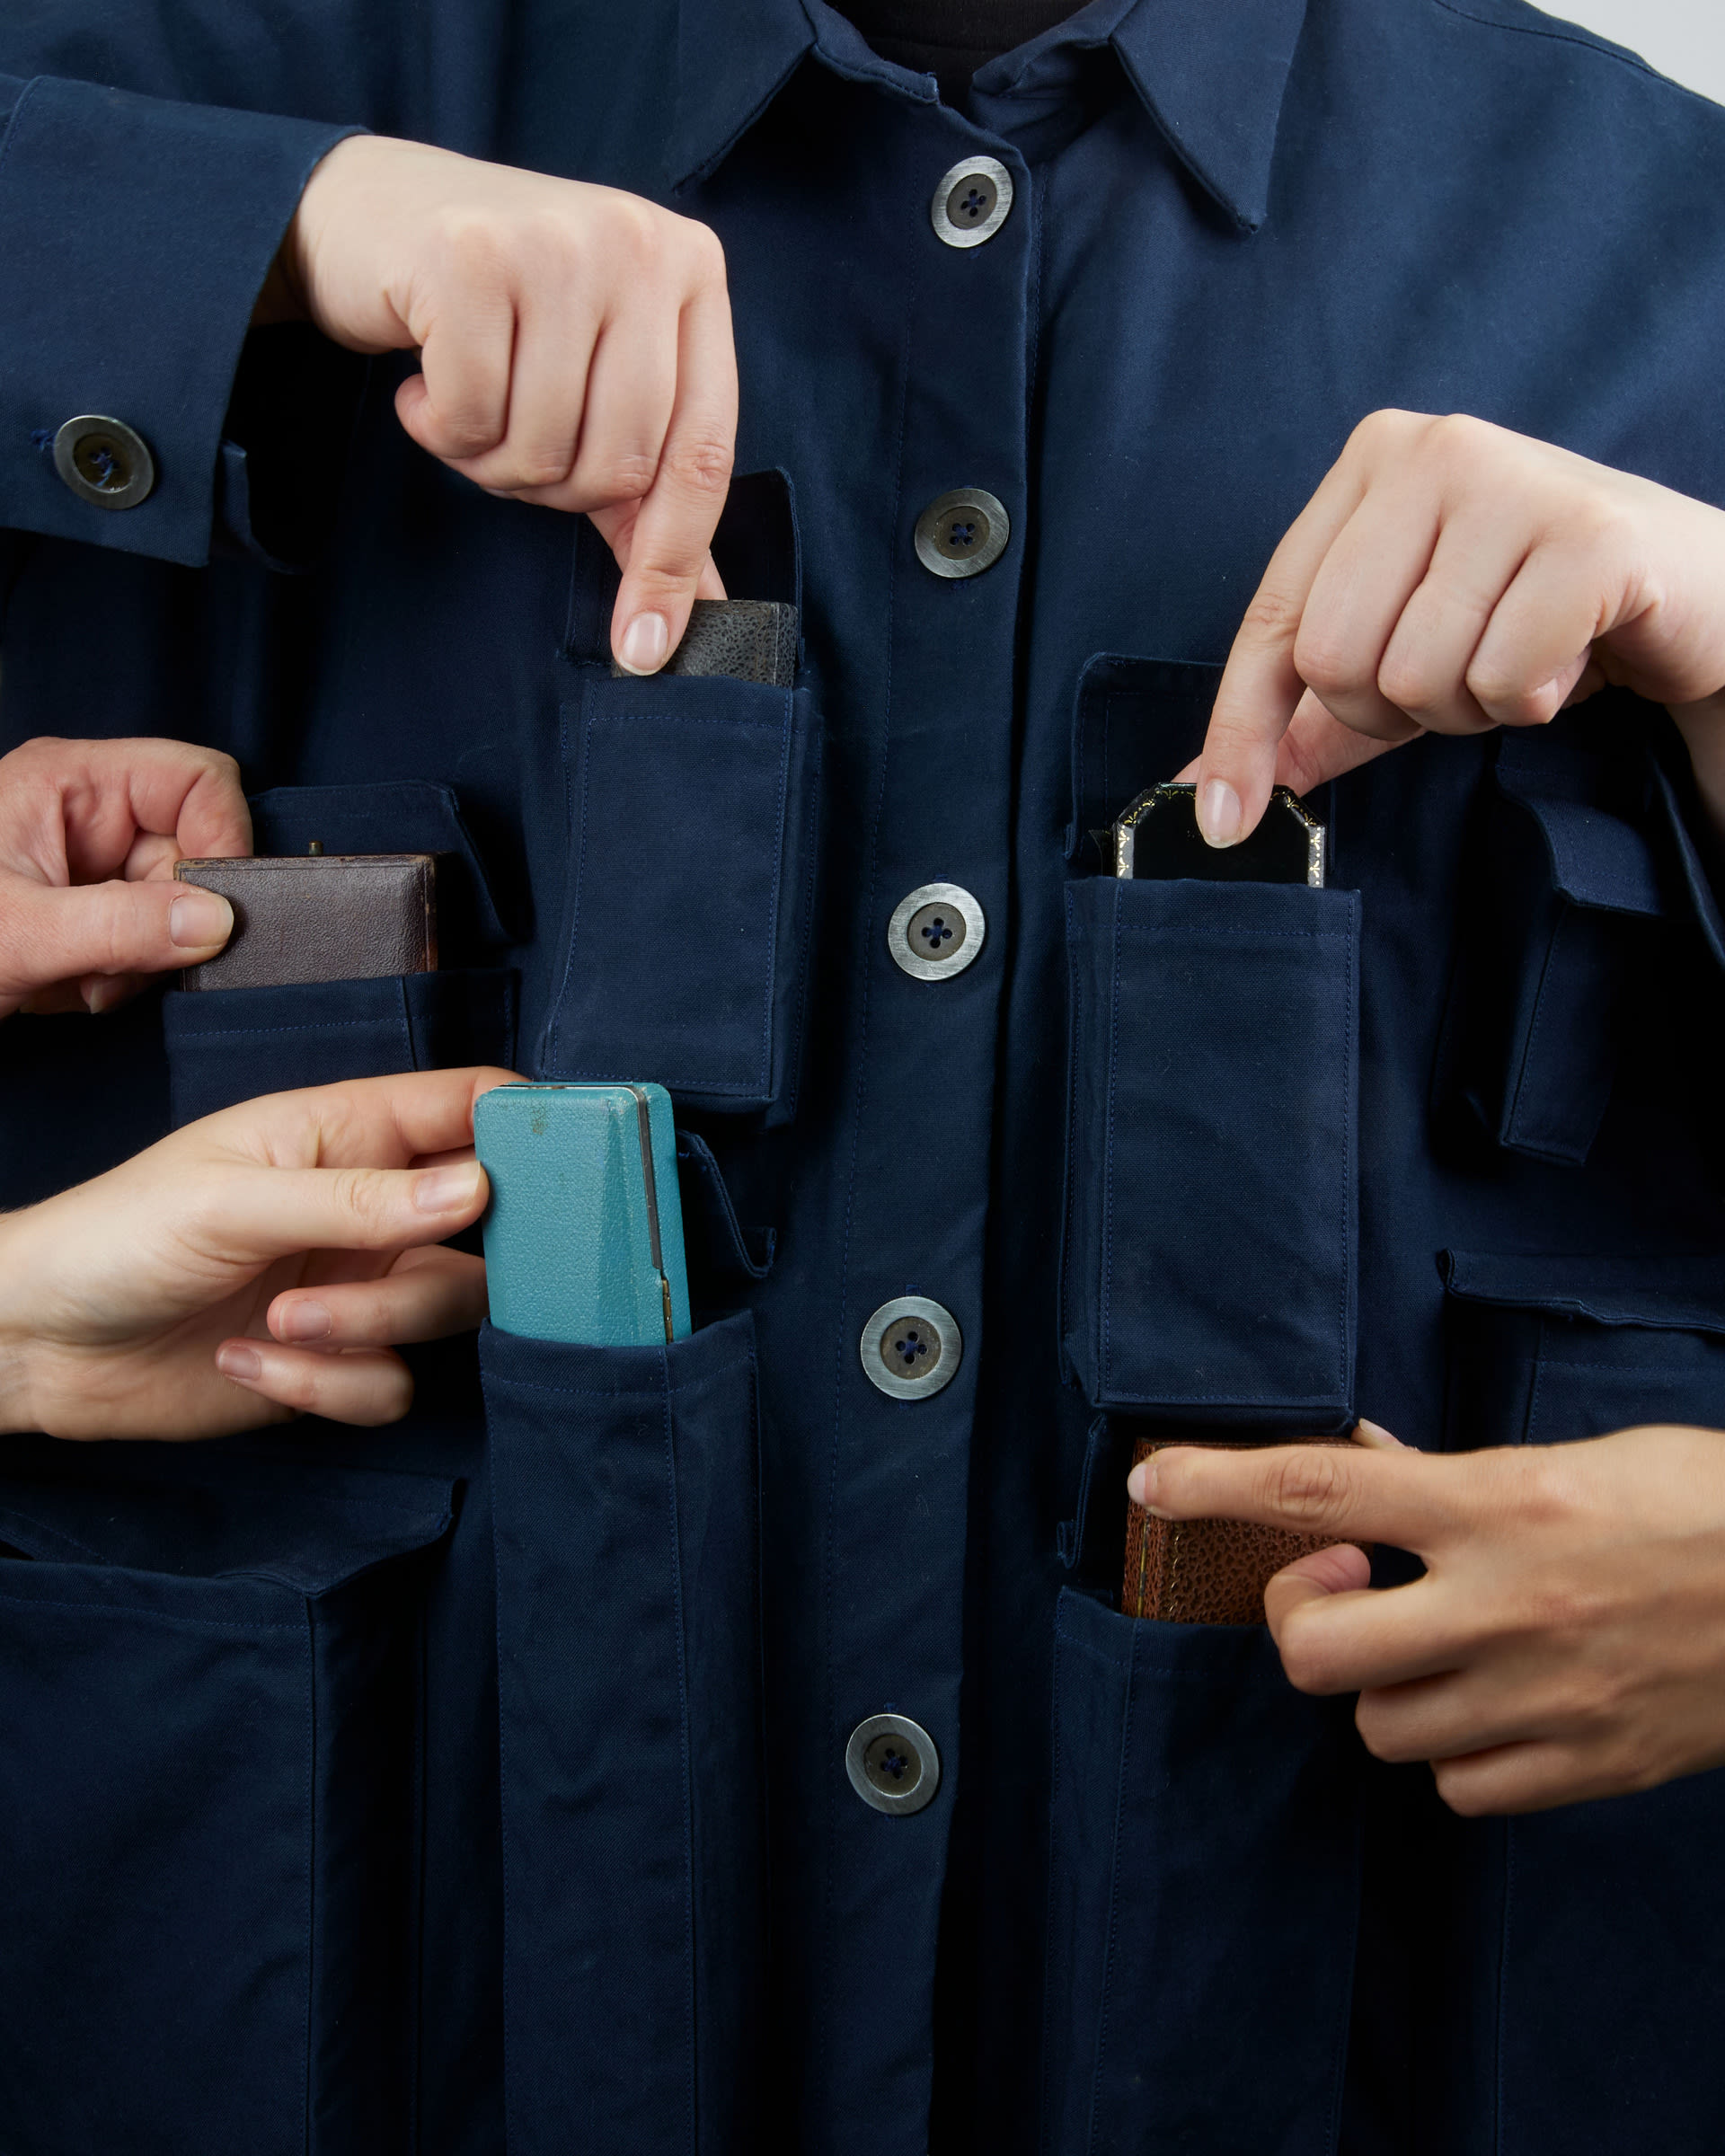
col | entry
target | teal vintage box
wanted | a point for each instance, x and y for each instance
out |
(584, 1234)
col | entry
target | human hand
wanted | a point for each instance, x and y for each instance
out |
(574, 342)
(167, 1298)
(1568, 1639)
(88, 835)
(1451, 576)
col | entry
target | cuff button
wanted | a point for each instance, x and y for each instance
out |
(104, 462)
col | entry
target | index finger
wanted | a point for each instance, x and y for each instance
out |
(668, 547)
(1406, 1499)
(360, 1122)
(1260, 687)
(111, 791)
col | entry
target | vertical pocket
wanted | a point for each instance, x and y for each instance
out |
(624, 1484)
(208, 1696)
(227, 1045)
(1210, 1260)
(1563, 911)
(1203, 1894)
(692, 809)
(1609, 1952)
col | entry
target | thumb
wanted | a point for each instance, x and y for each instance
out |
(54, 933)
(1340, 1568)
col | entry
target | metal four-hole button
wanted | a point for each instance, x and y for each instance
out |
(935, 930)
(104, 462)
(971, 202)
(911, 1347)
(892, 1763)
(961, 533)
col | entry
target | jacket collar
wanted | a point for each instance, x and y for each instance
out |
(1210, 73)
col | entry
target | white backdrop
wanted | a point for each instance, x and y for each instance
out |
(1684, 38)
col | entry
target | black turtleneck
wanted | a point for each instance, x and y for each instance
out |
(951, 39)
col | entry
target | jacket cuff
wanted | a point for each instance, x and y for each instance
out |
(135, 233)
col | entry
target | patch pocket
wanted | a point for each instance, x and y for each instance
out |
(625, 1488)
(1211, 1257)
(1203, 1893)
(210, 1697)
(227, 1045)
(1609, 1961)
(692, 809)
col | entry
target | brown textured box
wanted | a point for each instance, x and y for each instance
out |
(319, 917)
(1206, 1571)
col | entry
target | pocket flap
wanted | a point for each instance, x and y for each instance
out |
(389, 816)
(1596, 859)
(1664, 1294)
(311, 1529)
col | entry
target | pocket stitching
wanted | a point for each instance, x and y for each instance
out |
(168, 1617)
(335, 1025)
(1110, 1990)
(659, 1391)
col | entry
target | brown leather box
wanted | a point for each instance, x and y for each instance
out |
(319, 917)
(1206, 1571)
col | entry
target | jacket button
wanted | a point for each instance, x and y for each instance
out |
(892, 1763)
(961, 533)
(936, 932)
(971, 202)
(104, 462)
(911, 1347)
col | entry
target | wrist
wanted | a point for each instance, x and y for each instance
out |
(1702, 728)
(278, 300)
(17, 1412)
(328, 198)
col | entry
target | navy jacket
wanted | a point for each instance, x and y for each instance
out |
(482, 1783)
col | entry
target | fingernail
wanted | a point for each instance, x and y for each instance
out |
(1374, 1433)
(645, 642)
(234, 1361)
(103, 995)
(446, 1189)
(1219, 814)
(199, 919)
(1141, 1483)
(304, 1321)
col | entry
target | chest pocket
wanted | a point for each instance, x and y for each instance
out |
(1210, 1251)
(226, 1045)
(692, 809)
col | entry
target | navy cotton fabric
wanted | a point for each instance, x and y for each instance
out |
(1438, 1146)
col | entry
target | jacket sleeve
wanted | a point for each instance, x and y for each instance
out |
(135, 233)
